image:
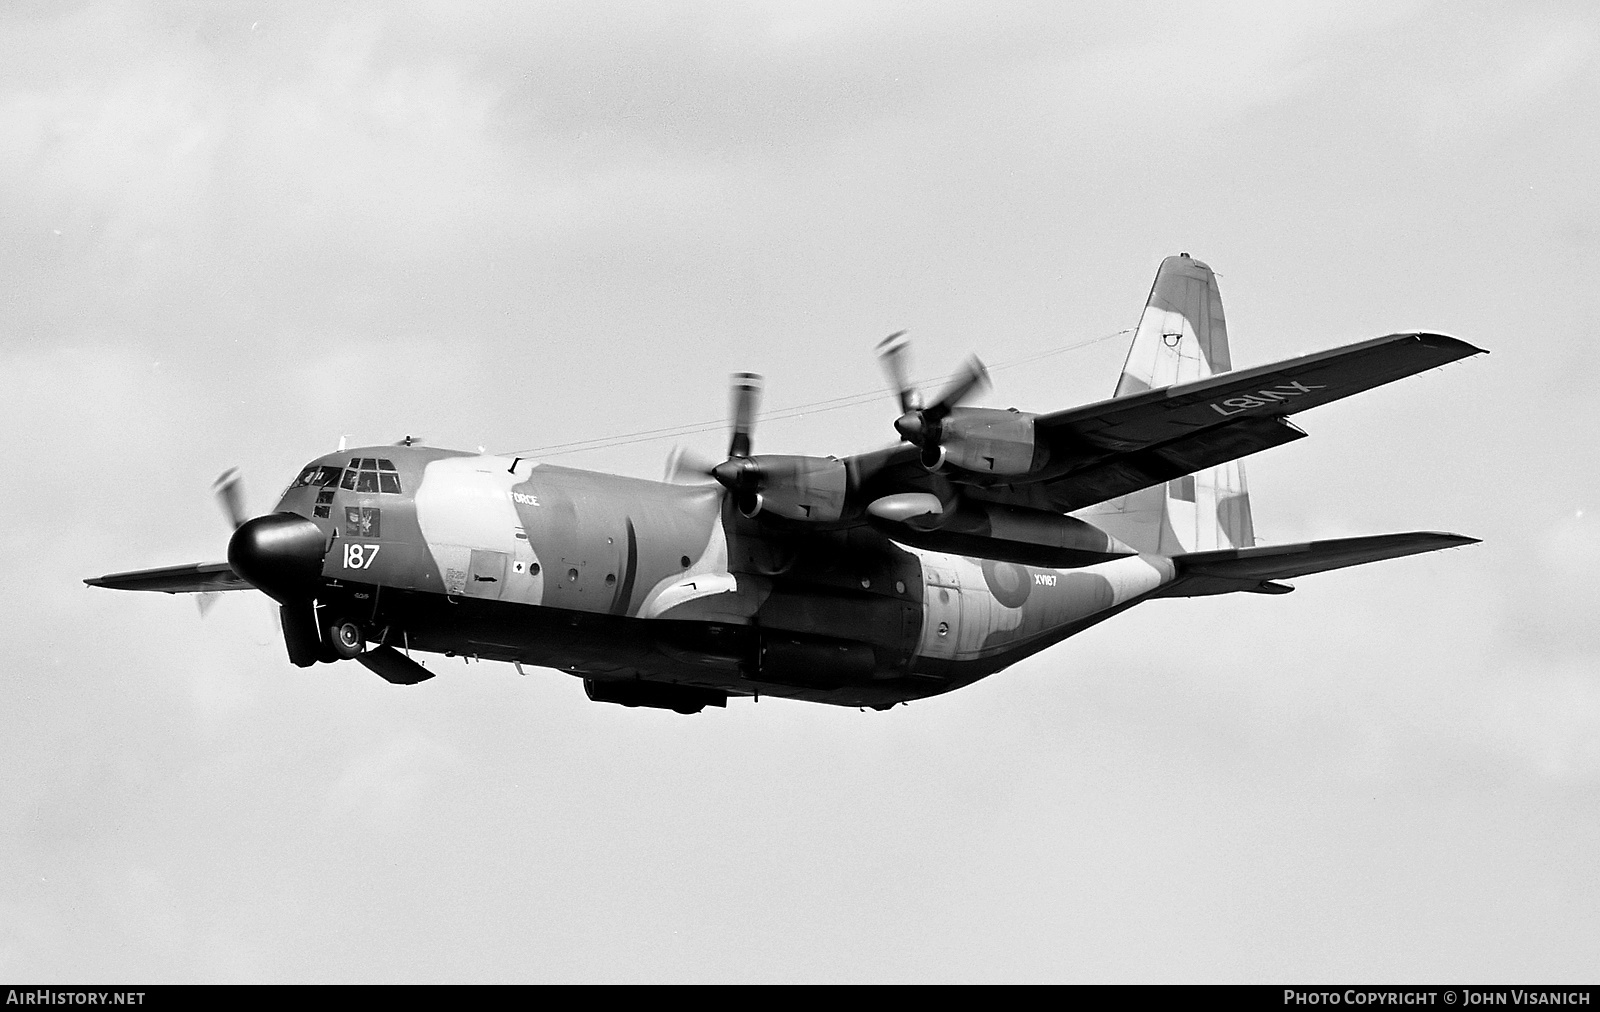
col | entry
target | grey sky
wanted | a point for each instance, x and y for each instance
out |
(231, 233)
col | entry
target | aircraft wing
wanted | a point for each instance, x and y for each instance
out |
(1101, 451)
(195, 578)
(1254, 569)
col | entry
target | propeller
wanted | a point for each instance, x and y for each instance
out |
(743, 401)
(688, 467)
(230, 496)
(280, 554)
(923, 426)
(783, 485)
(892, 352)
(739, 473)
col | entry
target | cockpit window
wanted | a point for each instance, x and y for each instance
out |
(388, 477)
(369, 474)
(321, 475)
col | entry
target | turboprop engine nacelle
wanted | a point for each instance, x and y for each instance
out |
(985, 440)
(790, 486)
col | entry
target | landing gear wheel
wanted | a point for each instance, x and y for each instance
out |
(346, 639)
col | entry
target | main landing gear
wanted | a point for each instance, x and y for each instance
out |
(338, 640)
(345, 639)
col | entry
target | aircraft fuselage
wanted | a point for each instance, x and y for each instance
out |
(620, 580)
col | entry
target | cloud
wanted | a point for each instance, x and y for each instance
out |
(234, 234)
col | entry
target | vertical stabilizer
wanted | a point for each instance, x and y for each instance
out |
(1182, 337)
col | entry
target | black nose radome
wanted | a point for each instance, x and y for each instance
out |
(281, 554)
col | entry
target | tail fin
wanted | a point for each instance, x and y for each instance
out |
(1182, 337)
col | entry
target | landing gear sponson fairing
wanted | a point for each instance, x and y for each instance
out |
(983, 537)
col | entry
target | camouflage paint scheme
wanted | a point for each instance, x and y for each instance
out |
(634, 583)
(614, 577)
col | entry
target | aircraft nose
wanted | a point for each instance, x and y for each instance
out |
(281, 554)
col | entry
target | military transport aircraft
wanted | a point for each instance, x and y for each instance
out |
(983, 536)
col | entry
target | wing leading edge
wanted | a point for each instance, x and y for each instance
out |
(194, 578)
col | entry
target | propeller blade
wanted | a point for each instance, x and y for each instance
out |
(746, 396)
(230, 495)
(688, 467)
(893, 352)
(972, 378)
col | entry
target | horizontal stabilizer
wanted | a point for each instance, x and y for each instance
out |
(1255, 569)
(194, 578)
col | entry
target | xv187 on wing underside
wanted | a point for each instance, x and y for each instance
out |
(982, 537)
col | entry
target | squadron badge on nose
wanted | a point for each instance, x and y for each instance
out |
(361, 521)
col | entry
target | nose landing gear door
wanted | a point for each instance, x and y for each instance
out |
(486, 575)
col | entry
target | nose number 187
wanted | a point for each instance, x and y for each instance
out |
(360, 556)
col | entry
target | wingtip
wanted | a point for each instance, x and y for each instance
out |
(1461, 348)
(1454, 540)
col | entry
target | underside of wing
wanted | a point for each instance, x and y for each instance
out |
(1255, 569)
(1120, 472)
(194, 578)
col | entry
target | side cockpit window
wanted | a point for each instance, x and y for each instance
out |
(323, 475)
(371, 474)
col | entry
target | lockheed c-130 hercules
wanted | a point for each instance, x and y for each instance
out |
(985, 535)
